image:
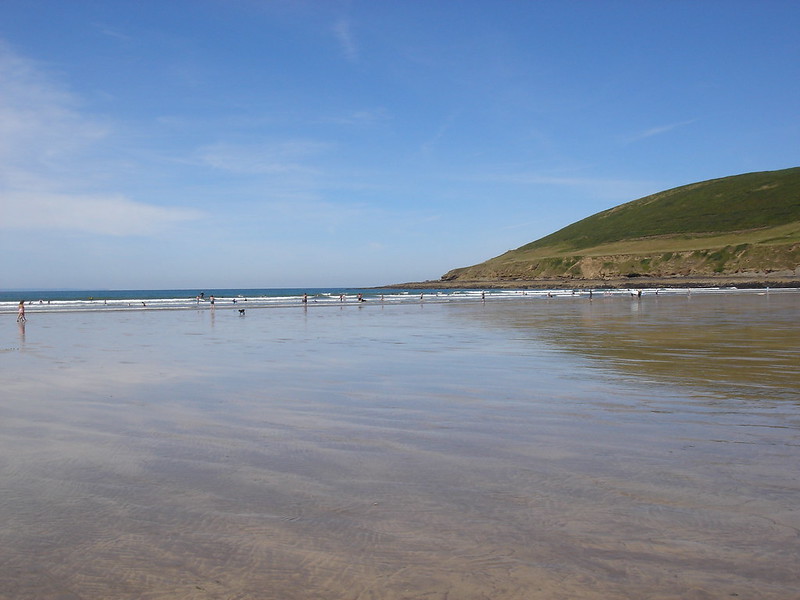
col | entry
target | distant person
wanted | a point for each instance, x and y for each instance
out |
(21, 312)
(211, 298)
(305, 298)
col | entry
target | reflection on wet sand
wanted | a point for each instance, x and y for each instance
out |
(451, 452)
(747, 342)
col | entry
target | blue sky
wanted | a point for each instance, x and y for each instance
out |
(245, 143)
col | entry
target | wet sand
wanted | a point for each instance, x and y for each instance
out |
(535, 449)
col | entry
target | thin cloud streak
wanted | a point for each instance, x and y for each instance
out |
(428, 145)
(364, 117)
(261, 159)
(112, 33)
(654, 131)
(344, 35)
(597, 187)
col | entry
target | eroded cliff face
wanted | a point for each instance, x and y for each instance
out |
(745, 258)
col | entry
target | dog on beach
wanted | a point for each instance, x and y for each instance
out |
(241, 312)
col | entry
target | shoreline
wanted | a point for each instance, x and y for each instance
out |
(403, 294)
(729, 281)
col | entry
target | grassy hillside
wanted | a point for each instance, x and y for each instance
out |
(744, 223)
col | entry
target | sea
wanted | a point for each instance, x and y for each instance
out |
(175, 299)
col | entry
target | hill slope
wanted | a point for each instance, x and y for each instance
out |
(734, 225)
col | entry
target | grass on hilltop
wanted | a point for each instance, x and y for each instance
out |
(716, 206)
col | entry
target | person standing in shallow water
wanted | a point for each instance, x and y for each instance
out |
(21, 312)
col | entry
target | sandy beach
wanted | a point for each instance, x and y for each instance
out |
(605, 449)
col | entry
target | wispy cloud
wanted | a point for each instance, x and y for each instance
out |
(287, 156)
(596, 187)
(50, 152)
(654, 131)
(40, 122)
(112, 32)
(429, 144)
(344, 34)
(98, 214)
(363, 117)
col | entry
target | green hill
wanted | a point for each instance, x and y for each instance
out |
(739, 225)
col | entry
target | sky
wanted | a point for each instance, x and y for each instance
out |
(149, 144)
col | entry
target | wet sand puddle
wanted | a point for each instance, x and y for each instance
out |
(496, 451)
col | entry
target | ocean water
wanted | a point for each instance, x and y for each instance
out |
(71, 300)
(525, 447)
